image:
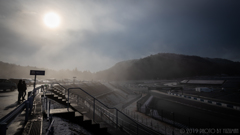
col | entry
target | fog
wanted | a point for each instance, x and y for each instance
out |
(94, 35)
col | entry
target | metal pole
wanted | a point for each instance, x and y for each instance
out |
(48, 110)
(35, 81)
(68, 101)
(3, 128)
(46, 104)
(117, 117)
(94, 109)
(31, 104)
(26, 115)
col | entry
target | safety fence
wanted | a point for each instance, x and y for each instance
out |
(6, 121)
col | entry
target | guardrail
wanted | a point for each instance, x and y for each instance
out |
(6, 121)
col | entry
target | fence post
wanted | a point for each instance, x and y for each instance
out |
(68, 101)
(94, 109)
(3, 128)
(29, 93)
(46, 104)
(26, 115)
(31, 104)
(117, 117)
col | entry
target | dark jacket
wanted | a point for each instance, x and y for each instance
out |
(20, 86)
(24, 87)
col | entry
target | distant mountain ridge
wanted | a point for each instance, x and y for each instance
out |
(8, 71)
(169, 66)
(158, 66)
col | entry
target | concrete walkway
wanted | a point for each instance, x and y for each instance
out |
(8, 102)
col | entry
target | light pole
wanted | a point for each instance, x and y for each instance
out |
(74, 80)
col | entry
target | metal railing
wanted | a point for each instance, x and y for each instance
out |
(6, 121)
(99, 112)
(50, 129)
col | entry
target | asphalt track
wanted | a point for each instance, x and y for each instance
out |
(195, 113)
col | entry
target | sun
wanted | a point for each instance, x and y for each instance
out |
(52, 20)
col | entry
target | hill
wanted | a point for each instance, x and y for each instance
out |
(159, 66)
(169, 66)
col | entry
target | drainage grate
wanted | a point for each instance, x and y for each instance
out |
(36, 128)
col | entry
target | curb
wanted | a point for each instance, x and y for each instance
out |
(207, 101)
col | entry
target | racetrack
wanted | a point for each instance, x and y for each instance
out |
(194, 113)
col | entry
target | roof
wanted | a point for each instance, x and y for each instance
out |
(205, 82)
(184, 81)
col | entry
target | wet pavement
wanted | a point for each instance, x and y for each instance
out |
(8, 102)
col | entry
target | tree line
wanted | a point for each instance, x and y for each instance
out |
(158, 66)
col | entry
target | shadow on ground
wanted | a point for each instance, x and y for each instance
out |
(12, 105)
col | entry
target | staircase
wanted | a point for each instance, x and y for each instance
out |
(73, 114)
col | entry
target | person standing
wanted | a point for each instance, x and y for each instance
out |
(20, 90)
(24, 90)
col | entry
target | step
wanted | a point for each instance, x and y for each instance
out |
(59, 93)
(47, 94)
(61, 110)
(103, 127)
(87, 121)
(78, 118)
(74, 105)
(93, 126)
(59, 100)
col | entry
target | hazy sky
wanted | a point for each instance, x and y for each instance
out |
(95, 34)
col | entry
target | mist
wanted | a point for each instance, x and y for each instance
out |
(94, 35)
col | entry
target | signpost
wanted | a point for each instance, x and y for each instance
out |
(36, 72)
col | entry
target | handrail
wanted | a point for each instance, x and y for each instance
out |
(49, 128)
(138, 124)
(16, 110)
(7, 120)
(13, 113)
